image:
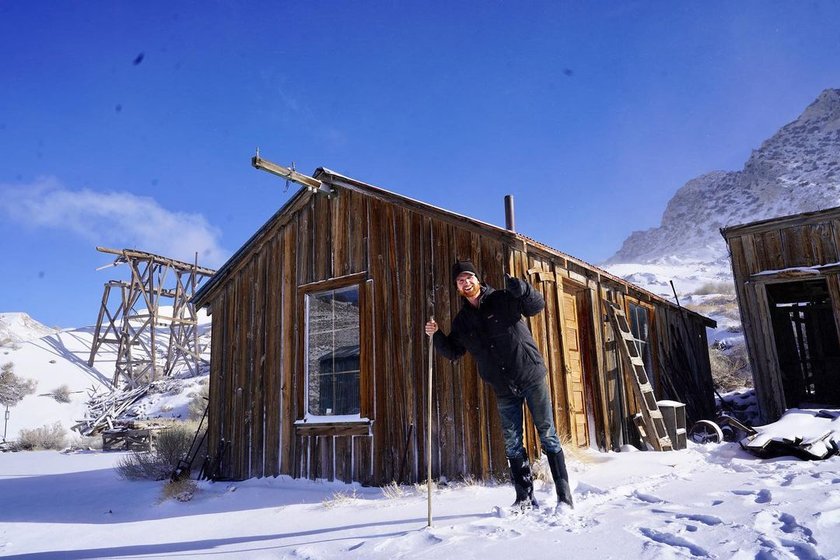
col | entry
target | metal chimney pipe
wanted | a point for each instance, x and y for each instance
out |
(510, 223)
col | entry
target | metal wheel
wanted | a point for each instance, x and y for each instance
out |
(705, 431)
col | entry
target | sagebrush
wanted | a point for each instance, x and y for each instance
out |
(46, 437)
(61, 394)
(170, 446)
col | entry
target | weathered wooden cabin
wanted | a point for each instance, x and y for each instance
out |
(319, 360)
(787, 279)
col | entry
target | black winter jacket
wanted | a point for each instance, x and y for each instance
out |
(497, 337)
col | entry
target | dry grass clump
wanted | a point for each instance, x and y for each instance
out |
(46, 437)
(730, 368)
(710, 288)
(182, 490)
(340, 498)
(393, 491)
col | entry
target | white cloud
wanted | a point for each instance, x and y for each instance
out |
(117, 220)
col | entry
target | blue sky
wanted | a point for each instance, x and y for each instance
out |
(132, 124)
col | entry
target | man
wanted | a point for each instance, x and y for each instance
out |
(490, 327)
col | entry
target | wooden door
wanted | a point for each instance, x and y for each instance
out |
(575, 388)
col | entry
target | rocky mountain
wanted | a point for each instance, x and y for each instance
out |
(796, 170)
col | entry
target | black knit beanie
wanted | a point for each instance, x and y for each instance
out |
(462, 266)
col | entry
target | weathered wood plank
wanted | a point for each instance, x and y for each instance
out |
(446, 301)
(358, 242)
(289, 335)
(795, 247)
(343, 453)
(555, 361)
(218, 396)
(322, 238)
(258, 365)
(340, 235)
(494, 262)
(381, 318)
(273, 368)
(304, 249)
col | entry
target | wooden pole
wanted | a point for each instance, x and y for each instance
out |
(429, 433)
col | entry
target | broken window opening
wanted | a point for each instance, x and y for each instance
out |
(806, 342)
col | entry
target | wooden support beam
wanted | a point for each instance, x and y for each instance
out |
(310, 183)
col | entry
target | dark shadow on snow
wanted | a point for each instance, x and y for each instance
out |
(207, 546)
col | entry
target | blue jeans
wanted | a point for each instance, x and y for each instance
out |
(539, 403)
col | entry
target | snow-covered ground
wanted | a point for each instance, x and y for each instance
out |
(709, 501)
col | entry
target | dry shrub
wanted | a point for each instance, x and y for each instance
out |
(182, 490)
(61, 394)
(393, 491)
(46, 437)
(340, 499)
(198, 404)
(710, 288)
(730, 368)
(169, 447)
(13, 388)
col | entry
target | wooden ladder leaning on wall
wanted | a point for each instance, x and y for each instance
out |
(650, 423)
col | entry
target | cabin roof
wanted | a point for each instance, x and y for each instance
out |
(337, 179)
(779, 222)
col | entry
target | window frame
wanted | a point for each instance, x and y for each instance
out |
(651, 366)
(308, 423)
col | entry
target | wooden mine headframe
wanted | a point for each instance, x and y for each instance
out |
(150, 340)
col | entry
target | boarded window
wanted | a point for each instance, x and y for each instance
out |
(332, 352)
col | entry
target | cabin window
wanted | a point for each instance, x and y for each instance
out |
(332, 353)
(640, 327)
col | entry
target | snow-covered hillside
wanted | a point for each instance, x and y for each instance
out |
(20, 327)
(55, 358)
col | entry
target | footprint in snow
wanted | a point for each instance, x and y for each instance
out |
(764, 496)
(670, 541)
(772, 549)
(781, 529)
(648, 498)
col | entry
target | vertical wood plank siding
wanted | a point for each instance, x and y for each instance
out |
(804, 240)
(403, 255)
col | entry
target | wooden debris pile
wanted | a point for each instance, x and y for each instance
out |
(785, 437)
(105, 410)
(131, 436)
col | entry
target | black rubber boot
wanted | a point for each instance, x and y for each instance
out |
(520, 475)
(557, 464)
